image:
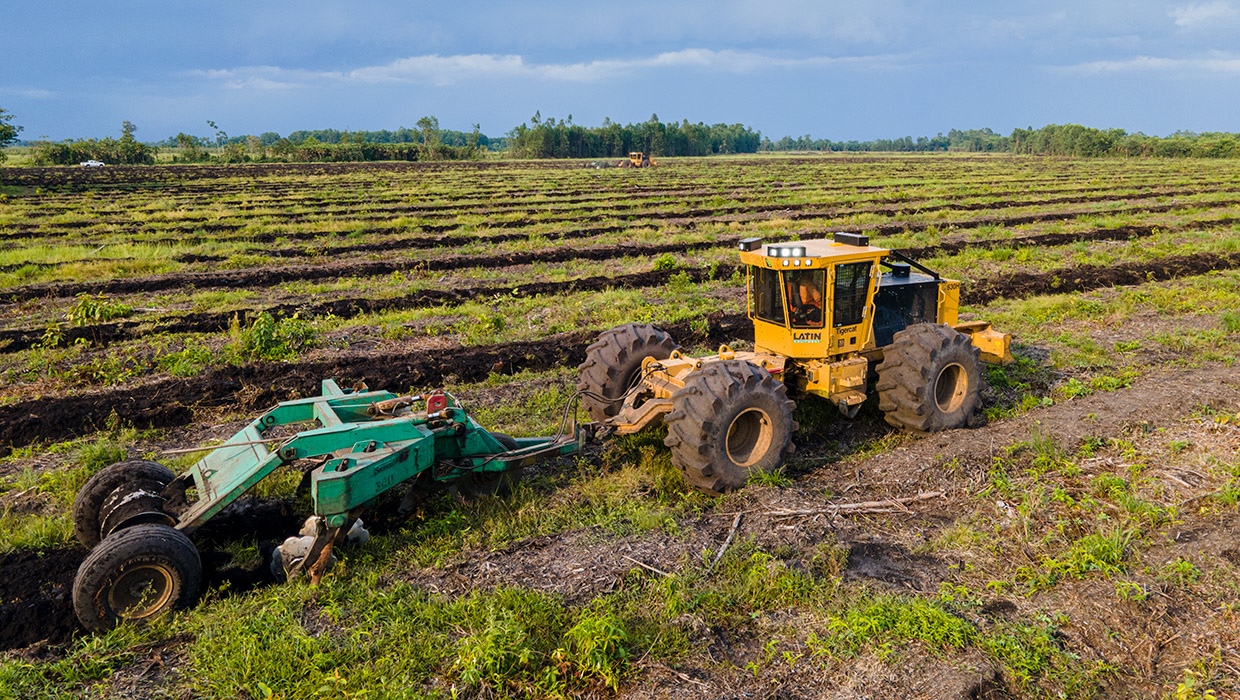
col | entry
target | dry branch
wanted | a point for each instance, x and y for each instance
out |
(736, 522)
(890, 505)
(646, 566)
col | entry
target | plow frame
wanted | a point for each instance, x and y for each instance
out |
(371, 441)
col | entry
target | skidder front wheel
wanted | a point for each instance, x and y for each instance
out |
(731, 419)
(929, 379)
(135, 575)
(613, 361)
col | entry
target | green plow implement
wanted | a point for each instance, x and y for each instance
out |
(137, 515)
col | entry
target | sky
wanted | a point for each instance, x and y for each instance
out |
(839, 70)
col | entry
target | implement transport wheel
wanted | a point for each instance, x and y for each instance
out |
(929, 379)
(613, 362)
(120, 495)
(477, 484)
(135, 575)
(731, 419)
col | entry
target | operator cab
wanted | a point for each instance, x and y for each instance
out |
(811, 299)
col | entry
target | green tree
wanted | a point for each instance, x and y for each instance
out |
(191, 148)
(429, 126)
(220, 136)
(8, 131)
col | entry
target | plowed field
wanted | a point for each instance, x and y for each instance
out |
(1082, 540)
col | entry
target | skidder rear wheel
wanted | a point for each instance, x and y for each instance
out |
(120, 495)
(613, 361)
(929, 379)
(135, 575)
(731, 419)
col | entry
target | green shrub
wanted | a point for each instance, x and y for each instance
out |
(500, 650)
(889, 619)
(595, 651)
(99, 454)
(482, 329)
(1099, 553)
(665, 262)
(187, 362)
(91, 309)
(269, 339)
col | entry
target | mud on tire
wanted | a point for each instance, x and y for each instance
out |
(133, 473)
(730, 419)
(929, 379)
(136, 574)
(614, 360)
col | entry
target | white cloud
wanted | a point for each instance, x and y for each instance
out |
(1200, 14)
(446, 70)
(258, 78)
(30, 93)
(1218, 64)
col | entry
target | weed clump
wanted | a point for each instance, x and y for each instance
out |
(269, 339)
(91, 309)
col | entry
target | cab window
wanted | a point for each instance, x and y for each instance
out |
(764, 301)
(852, 281)
(805, 297)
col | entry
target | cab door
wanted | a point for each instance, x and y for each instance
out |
(852, 297)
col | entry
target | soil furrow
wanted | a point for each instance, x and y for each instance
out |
(207, 322)
(574, 202)
(272, 276)
(104, 334)
(1020, 285)
(807, 209)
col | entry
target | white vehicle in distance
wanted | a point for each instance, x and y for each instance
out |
(92, 163)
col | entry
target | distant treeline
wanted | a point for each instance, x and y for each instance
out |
(427, 142)
(552, 138)
(334, 137)
(125, 150)
(978, 140)
(1051, 140)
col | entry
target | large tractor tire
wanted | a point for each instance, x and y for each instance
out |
(929, 379)
(120, 495)
(730, 420)
(613, 362)
(135, 575)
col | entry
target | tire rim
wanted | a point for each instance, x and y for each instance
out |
(141, 591)
(950, 387)
(749, 437)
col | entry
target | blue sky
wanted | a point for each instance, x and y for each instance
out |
(839, 70)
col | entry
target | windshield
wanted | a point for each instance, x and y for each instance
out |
(805, 297)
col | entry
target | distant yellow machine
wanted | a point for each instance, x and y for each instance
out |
(825, 320)
(637, 159)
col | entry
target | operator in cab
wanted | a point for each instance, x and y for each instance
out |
(806, 298)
